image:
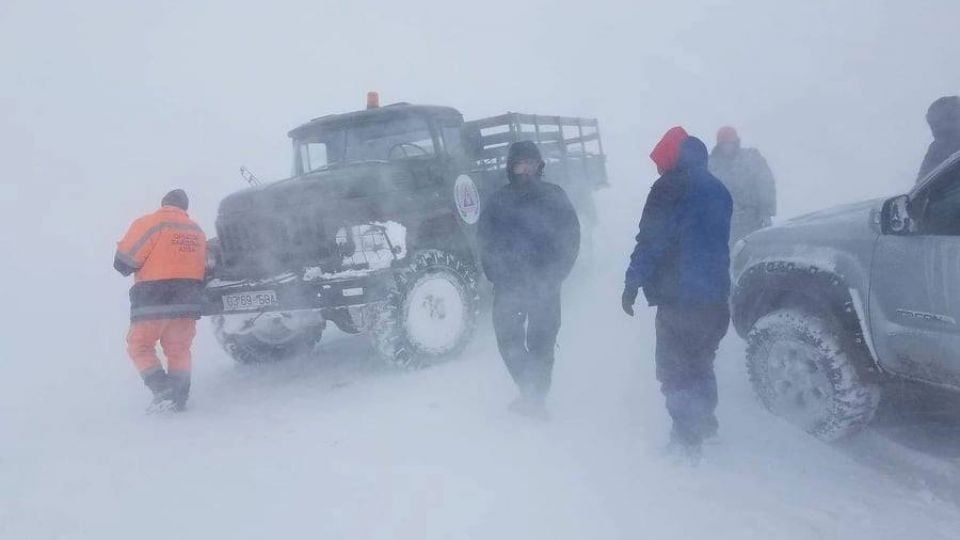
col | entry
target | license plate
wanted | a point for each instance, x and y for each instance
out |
(250, 301)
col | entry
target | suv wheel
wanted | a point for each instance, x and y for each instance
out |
(430, 313)
(801, 372)
(266, 339)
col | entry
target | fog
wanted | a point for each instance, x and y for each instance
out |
(106, 106)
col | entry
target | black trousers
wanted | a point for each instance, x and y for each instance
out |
(687, 341)
(527, 323)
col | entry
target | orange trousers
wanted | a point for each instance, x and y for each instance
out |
(175, 337)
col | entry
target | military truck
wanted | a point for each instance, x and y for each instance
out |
(375, 230)
(836, 304)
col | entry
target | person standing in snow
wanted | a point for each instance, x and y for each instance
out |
(943, 116)
(166, 253)
(529, 238)
(682, 260)
(749, 180)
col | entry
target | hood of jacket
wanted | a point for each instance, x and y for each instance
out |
(522, 150)
(944, 117)
(667, 152)
(693, 155)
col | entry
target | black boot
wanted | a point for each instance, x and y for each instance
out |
(180, 390)
(158, 382)
(532, 405)
(685, 448)
(163, 391)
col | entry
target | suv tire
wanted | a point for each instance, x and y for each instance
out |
(430, 312)
(801, 372)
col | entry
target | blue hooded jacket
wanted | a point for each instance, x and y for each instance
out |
(682, 254)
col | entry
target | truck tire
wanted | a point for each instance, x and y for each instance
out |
(255, 348)
(801, 372)
(430, 313)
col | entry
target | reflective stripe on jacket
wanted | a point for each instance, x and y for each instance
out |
(166, 299)
(167, 253)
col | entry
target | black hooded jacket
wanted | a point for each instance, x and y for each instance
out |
(528, 235)
(944, 119)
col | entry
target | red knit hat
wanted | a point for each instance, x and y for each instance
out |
(727, 134)
(666, 153)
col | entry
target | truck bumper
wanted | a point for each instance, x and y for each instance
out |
(292, 293)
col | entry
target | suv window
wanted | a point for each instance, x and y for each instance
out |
(942, 213)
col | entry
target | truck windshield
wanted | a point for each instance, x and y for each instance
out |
(401, 138)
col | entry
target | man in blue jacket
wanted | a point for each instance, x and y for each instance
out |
(682, 262)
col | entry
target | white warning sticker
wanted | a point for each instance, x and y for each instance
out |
(468, 199)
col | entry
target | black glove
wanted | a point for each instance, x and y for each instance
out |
(122, 267)
(628, 299)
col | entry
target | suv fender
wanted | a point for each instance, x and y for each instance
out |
(823, 288)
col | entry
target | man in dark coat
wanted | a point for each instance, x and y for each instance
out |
(944, 119)
(749, 180)
(529, 238)
(682, 262)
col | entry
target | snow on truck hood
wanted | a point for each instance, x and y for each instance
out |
(373, 253)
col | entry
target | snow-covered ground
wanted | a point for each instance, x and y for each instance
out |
(334, 447)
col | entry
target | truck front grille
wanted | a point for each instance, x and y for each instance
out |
(262, 245)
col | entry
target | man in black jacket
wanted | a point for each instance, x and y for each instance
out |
(529, 238)
(944, 119)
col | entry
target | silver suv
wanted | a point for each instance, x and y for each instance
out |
(835, 303)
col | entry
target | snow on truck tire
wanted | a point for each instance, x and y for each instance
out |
(801, 372)
(430, 313)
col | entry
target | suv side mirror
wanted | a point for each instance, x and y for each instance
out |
(895, 216)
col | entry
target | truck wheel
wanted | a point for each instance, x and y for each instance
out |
(430, 313)
(801, 372)
(266, 341)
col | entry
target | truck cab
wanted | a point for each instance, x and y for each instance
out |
(395, 132)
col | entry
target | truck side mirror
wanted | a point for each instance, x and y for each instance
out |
(895, 216)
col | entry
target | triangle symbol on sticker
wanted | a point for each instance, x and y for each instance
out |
(468, 199)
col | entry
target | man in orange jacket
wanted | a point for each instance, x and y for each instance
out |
(166, 251)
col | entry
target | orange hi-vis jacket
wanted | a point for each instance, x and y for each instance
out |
(167, 253)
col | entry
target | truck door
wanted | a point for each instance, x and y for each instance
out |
(915, 292)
